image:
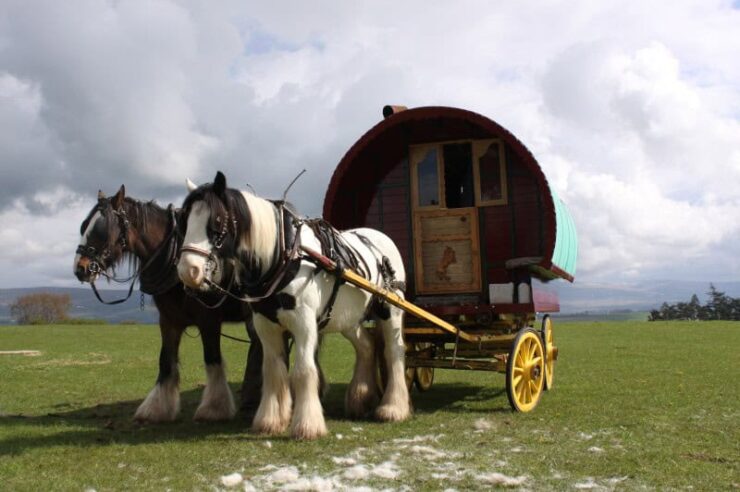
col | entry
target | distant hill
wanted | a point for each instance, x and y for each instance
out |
(605, 298)
(85, 305)
(621, 301)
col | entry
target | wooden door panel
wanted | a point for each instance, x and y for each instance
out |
(447, 253)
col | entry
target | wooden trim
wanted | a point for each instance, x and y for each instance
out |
(479, 149)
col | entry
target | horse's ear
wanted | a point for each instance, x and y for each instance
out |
(191, 186)
(219, 184)
(117, 200)
(101, 195)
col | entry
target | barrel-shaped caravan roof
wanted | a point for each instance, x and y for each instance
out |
(376, 153)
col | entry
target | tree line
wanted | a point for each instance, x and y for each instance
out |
(720, 306)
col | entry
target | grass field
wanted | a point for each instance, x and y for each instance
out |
(635, 405)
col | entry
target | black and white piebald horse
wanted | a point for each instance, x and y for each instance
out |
(259, 241)
(120, 227)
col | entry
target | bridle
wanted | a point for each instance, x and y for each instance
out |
(217, 241)
(99, 260)
(286, 255)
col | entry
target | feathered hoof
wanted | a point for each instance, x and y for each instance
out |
(307, 432)
(268, 428)
(360, 403)
(391, 413)
(147, 416)
(215, 412)
(160, 405)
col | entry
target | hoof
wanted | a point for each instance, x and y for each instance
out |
(269, 428)
(162, 404)
(306, 432)
(360, 402)
(214, 413)
(389, 413)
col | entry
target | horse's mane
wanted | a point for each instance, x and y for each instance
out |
(141, 216)
(256, 225)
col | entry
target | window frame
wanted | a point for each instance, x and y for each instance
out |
(480, 147)
(416, 154)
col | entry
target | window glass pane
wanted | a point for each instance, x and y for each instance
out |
(428, 179)
(490, 174)
(458, 161)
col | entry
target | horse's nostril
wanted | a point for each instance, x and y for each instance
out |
(194, 272)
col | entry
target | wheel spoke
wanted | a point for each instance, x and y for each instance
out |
(516, 380)
(537, 360)
(520, 393)
(532, 388)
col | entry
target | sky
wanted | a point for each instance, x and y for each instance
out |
(631, 108)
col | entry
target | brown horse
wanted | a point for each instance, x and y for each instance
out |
(148, 235)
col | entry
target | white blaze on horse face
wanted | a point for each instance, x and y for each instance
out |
(192, 266)
(83, 239)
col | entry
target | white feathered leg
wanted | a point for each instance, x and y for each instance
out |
(217, 402)
(395, 405)
(162, 404)
(273, 414)
(308, 416)
(362, 394)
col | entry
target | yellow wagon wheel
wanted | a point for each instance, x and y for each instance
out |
(525, 371)
(423, 376)
(551, 352)
(410, 375)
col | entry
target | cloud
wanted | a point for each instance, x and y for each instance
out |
(632, 110)
(650, 167)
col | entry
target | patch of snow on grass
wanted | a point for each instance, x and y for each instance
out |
(357, 472)
(596, 449)
(589, 484)
(429, 452)
(344, 461)
(283, 475)
(232, 480)
(585, 437)
(496, 478)
(387, 469)
(415, 439)
(314, 484)
(616, 480)
(482, 425)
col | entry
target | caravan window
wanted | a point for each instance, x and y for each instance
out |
(458, 166)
